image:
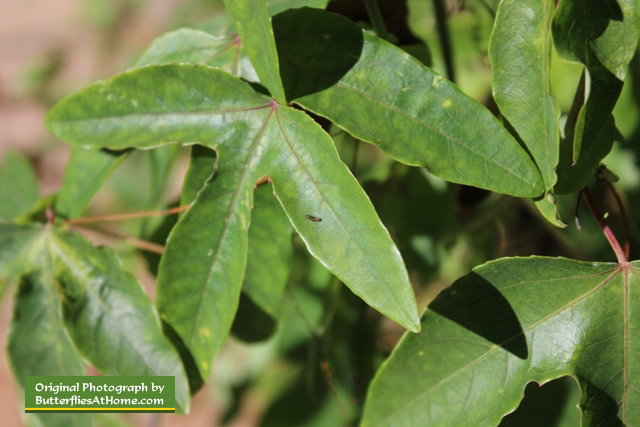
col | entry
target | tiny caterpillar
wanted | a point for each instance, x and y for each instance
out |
(313, 218)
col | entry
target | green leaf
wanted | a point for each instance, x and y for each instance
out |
(201, 170)
(85, 173)
(204, 262)
(254, 27)
(270, 247)
(270, 252)
(380, 94)
(107, 315)
(521, 86)
(19, 246)
(195, 46)
(18, 186)
(37, 343)
(602, 35)
(276, 6)
(508, 323)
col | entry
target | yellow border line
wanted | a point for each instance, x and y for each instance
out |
(99, 409)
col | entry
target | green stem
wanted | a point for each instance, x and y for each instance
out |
(445, 40)
(375, 16)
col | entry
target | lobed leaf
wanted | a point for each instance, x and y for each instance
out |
(204, 262)
(508, 323)
(108, 316)
(37, 343)
(254, 27)
(382, 95)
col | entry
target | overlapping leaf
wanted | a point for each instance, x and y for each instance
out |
(254, 27)
(520, 53)
(382, 95)
(202, 270)
(510, 322)
(109, 317)
(602, 35)
(66, 283)
(403, 114)
(37, 343)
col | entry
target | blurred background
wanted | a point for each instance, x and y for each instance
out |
(312, 366)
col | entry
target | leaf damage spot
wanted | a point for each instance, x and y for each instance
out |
(447, 103)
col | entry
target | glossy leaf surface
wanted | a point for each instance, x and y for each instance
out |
(252, 22)
(510, 322)
(381, 94)
(202, 270)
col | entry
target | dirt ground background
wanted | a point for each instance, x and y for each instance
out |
(77, 45)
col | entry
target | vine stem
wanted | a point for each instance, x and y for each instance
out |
(623, 215)
(125, 216)
(620, 254)
(373, 10)
(136, 243)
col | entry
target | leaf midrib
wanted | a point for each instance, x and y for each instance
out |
(395, 296)
(227, 218)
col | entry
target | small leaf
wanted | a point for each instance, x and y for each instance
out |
(254, 27)
(201, 170)
(85, 173)
(109, 318)
(508, 323)
(382, 95)
(18, 186)
(602, 35)
(195, 46)
(270, 252)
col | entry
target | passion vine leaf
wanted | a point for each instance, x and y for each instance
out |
(381, 94)
(18, 186)
(602, 35)
(254, 27)
(20, 246)
(508, 323)
(108, 316)
(521, 85)
(195, 46)
(202, 270)
(270, 252)
(37, 343)
(270, 246)
(85, 173)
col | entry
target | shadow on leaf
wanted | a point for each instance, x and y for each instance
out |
(475, 304)
(315, 48)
